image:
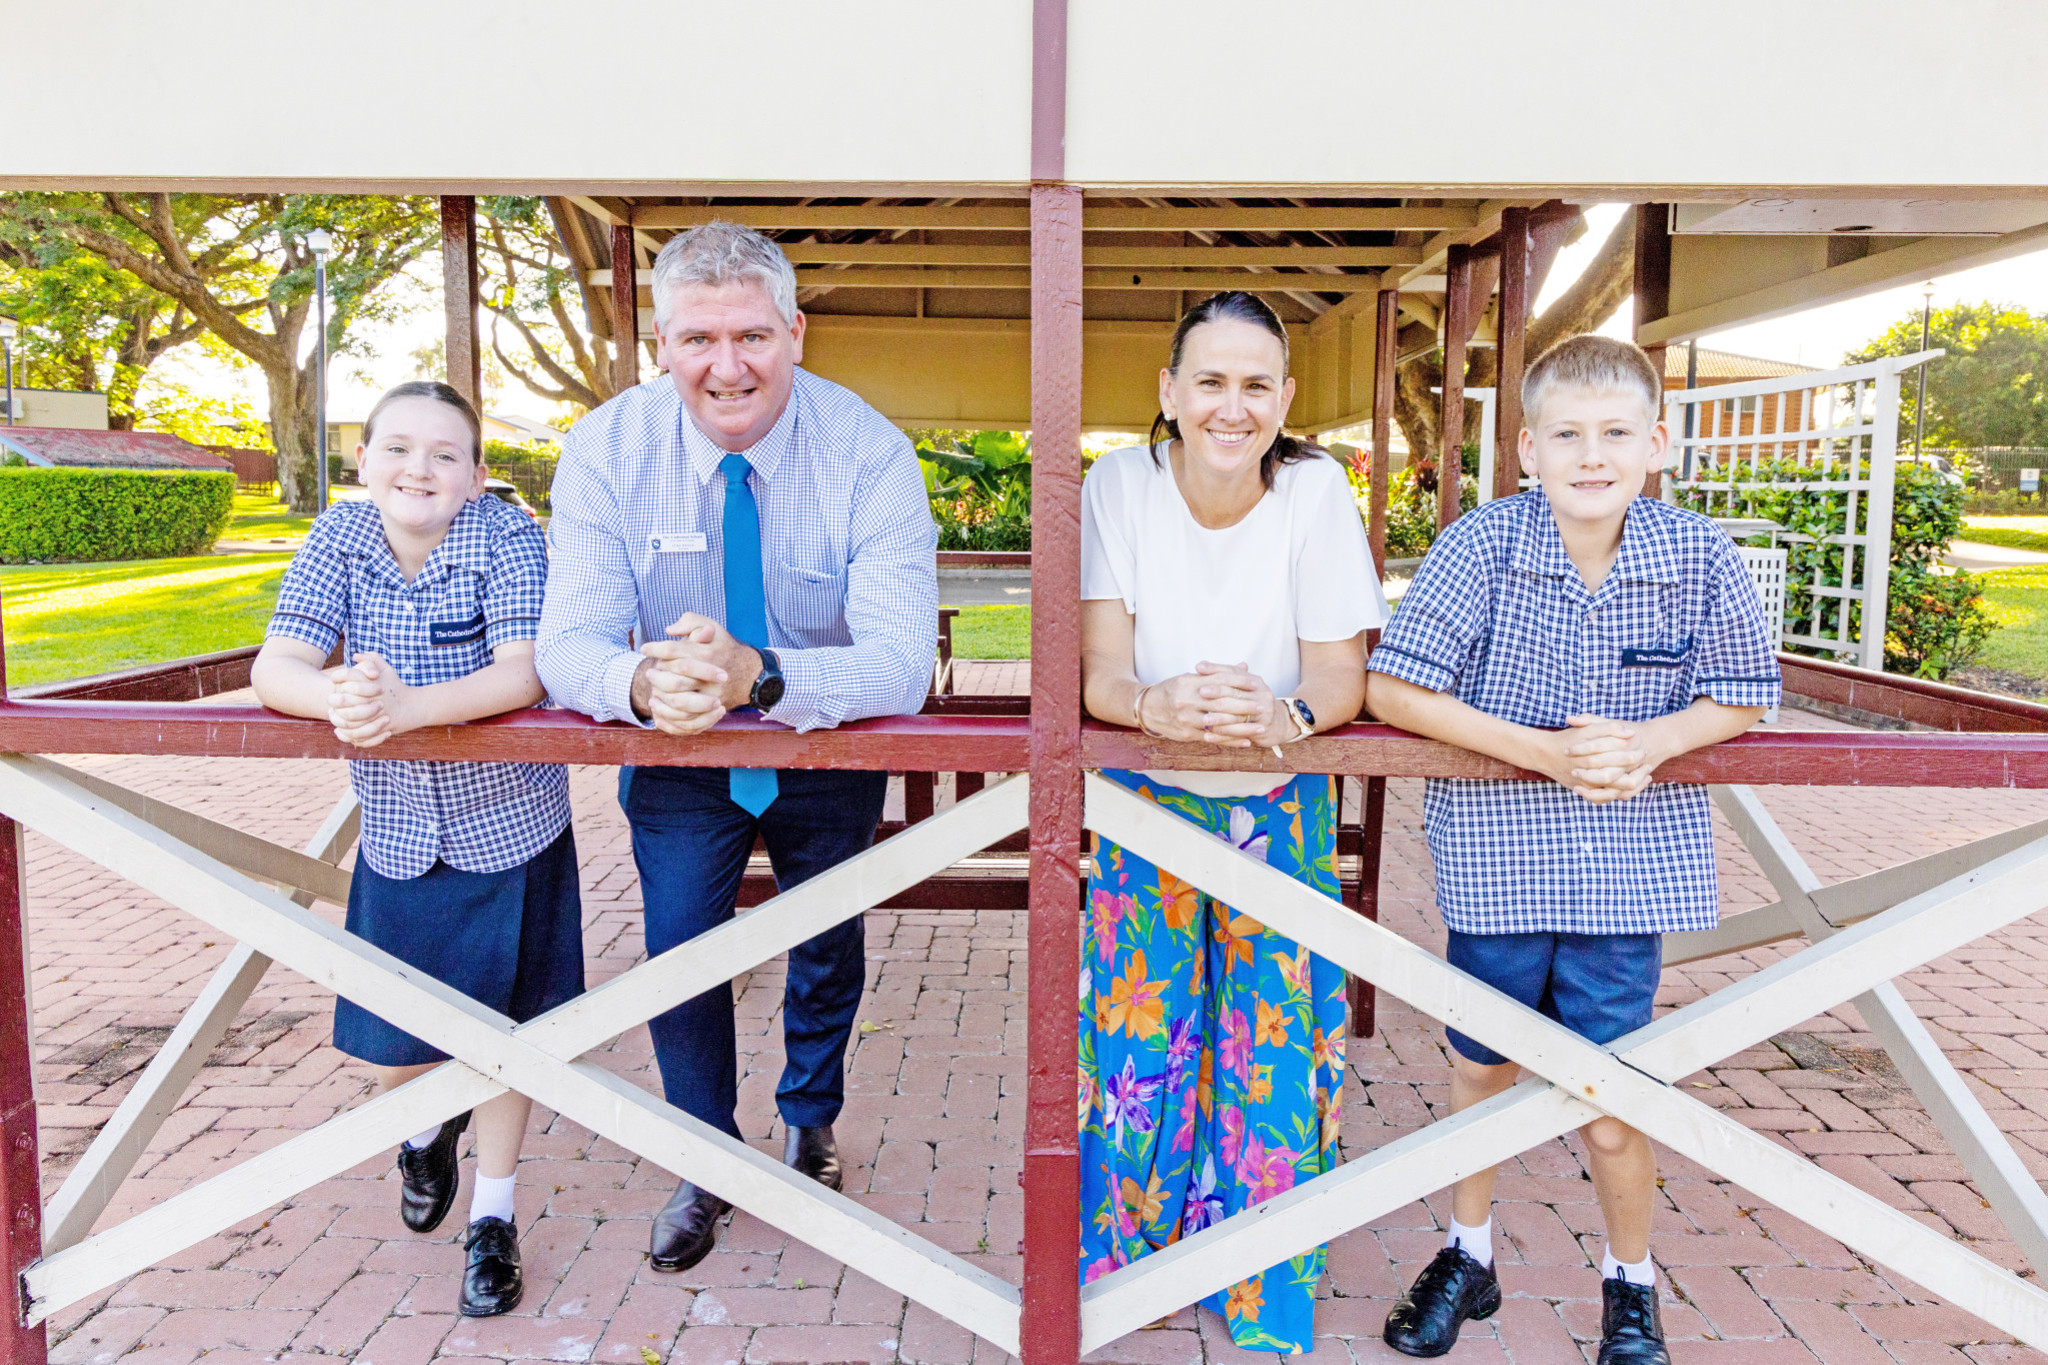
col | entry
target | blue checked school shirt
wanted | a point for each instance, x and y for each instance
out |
(481, 588)
(1498, 617)
(847, 552)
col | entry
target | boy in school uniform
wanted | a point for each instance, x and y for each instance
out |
(466, 871)
(1587, 633)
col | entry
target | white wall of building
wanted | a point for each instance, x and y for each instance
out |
(540, 91)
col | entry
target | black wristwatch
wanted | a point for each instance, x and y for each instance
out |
(767, 684)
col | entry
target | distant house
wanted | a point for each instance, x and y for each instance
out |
(499, 426)
(1726, 367)
(71, 448)
(80, 409)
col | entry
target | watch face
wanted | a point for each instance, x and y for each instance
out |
(768, 691)
(1307, 716)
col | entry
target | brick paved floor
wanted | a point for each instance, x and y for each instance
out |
(932, 1136)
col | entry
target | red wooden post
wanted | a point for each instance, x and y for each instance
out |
(1510, 336)
(1052, 1161)
(625, 310)
(1653, 293)
(21, 1195)
(1385, 356)
(460, 296)
(1457, 321)
(1365, 898)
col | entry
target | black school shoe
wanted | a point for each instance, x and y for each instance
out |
(492, 1283)
(1631, 1328)
(1450, 1289)
(428, 1177)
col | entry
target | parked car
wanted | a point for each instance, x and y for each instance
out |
(504, 491)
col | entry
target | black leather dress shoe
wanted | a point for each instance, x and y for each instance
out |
(1631, 1327)
(1450, 1289)
(493, 1282)
(815, 1152)
(428, 1176)
(686, 1228)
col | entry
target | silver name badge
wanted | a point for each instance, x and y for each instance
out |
(677, 542)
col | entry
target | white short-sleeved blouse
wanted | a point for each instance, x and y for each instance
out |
(1296, 567)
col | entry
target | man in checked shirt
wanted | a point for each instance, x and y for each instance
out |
(738, 533)
(1589, 634)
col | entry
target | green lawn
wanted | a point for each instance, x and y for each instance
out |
(2018, 600)
(2018, 533)
(260, 516)
(1002, 632)
(70, 620)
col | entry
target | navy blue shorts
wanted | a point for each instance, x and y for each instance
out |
(1600, 986)
(511, 941)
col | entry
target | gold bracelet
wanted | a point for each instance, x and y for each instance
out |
(1138, 711)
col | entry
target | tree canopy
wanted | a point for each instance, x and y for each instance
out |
(238, 267)
(1991, 389)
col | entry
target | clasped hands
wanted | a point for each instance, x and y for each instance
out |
(686, 683)
(1600, 759)
(370, 703)
(1225, 704)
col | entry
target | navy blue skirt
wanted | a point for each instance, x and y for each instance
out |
(511, 941)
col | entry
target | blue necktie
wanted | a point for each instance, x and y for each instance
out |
(746, 610)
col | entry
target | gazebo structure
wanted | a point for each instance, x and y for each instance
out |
(996, 211)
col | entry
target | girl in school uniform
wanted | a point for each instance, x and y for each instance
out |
(466, 871)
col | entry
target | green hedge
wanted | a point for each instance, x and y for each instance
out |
(57, 515)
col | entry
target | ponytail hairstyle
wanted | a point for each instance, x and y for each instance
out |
(1237, 306)
(440, 393)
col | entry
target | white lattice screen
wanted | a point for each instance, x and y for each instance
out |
(1832, 433)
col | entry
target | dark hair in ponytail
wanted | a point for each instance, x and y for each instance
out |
(1237, 306)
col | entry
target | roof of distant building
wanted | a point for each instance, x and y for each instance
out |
(526, 426)
(68, 448)
(1726, 367)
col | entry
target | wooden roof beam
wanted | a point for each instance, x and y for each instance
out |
(1450, 219)
(1144, 257)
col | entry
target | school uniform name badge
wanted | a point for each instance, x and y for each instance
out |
(1656, 658)
(441, 634)
(676, 543)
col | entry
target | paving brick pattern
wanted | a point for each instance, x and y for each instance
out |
(932, 1137)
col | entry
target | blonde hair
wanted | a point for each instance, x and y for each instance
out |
(1599, 363)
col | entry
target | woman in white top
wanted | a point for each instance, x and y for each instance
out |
(1227, 589)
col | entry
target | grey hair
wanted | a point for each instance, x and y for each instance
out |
(1590, 361)
(717, 253)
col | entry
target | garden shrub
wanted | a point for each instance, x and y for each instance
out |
(979, 484)
(63, 515)
(1411, 505)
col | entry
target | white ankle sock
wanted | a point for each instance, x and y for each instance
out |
(1639, 1272)
(492, 1197)
(426, 1139)
(1478, 1242)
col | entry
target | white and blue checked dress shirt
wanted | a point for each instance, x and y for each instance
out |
(480, 588)
(1499, 617)
(848, 553)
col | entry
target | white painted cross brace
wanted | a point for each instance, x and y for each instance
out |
(1631, 1080)
(534, 1058)
(92, 1183)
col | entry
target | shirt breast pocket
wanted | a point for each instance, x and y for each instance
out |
(1651, 681)
(809, 599)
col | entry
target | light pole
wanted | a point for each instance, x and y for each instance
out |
(1920, 403)
(8, 329)
(320, 242)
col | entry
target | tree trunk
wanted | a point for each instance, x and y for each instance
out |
(1590, 301)
(292, 420)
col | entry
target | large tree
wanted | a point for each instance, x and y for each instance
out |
(240, 267)
(1589, 302)
(1991, 389)
(86, 325)
(530, 287)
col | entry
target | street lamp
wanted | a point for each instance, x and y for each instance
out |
(319, 242)
(1920, 403)
(8, 329)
